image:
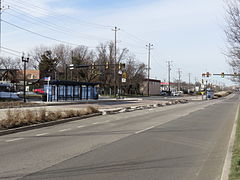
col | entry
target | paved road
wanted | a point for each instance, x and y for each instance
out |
(186, 141)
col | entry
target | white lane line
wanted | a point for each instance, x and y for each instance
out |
(97, 123)
(144, 130)
(63, 130)
(43, 134)
(102, 122)
(81, 126)
(16, 139)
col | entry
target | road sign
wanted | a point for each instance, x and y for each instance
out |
(124, 75)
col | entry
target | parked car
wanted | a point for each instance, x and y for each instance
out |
(38, 91)
(177, 93)
(163, 93)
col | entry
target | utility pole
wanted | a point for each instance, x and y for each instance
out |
(179, 78)
(189, 81)
(169, 77)
(149, 66)
(116, 29)
(24, 60)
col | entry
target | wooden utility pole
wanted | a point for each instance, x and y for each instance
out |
(116, 29)
(149, 66)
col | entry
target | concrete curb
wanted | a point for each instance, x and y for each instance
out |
(71, 103)
(46, 124)
(228, 158)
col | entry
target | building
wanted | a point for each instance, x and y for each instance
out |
(154, 87)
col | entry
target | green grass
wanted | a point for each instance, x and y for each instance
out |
(235, 166)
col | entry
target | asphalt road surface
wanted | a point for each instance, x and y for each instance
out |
(181, 142)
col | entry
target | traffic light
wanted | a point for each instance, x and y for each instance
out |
(121, 66)
(93, 66)
(107, 65)
(202, 81)
(208, 74)
(222, 74)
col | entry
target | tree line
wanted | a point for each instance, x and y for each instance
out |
(55, 61)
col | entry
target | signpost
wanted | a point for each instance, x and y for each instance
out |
(48, 80)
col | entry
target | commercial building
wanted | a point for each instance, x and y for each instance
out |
(154, 87)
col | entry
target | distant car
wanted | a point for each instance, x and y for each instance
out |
(177, 93)
(163, 93)
(38, 91)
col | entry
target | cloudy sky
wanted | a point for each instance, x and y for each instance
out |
(187, 32)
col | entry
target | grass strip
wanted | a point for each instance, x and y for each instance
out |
(235, 165)
(20, 118)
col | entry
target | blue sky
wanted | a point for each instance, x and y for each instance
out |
(187, 32)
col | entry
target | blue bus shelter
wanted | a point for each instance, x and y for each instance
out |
(71, 90)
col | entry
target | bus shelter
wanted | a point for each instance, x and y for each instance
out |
(71, 90)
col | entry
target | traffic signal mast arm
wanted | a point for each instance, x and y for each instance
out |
(120, 65)
(221, 74)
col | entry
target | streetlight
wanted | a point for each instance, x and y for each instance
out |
(24, 60)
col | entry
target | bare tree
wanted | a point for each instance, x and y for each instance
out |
(9, 68)
(232, 32)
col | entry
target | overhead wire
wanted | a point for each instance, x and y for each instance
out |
(15, 51)
(14, 54)
(38, 34)
(22, 4)
(21, 7)
(52, 26)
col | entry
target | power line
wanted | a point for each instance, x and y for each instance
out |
(38, 34)
(134, 36)
(17, 55)
(23, 3)
(52, 26)
(11, 50)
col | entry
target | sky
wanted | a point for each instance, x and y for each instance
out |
(188, 33)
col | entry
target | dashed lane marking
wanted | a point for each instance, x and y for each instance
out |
(63, 130)
(43, 134)
(81, 126)
(97, 123)
(16, 139)
(144, 130)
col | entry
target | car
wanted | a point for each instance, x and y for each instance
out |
(177, 93)
(163, 93)
(38, 91)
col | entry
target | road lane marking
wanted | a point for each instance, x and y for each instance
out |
(43, 134)
(81, 126)
(144, 130)
(64, 130)
(227, 162)
(97, 123)
(102, 122)
(16, 139)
